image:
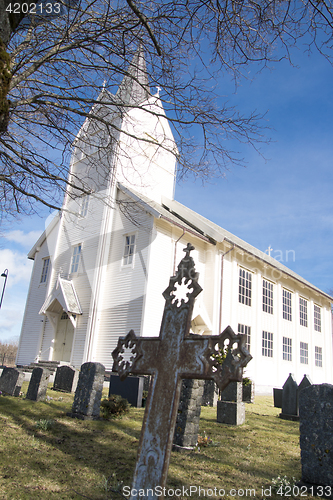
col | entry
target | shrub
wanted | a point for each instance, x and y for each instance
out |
(114, 406)
(247, 381)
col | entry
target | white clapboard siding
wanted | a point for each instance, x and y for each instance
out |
(33, 323)
(273, 371)
(124, 287)
(159, 272)
(85, 231)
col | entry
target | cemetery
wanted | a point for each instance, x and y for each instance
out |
(62, 445)
(75, 459)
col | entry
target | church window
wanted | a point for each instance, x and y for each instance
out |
(303, 312)
(304, 353)
(45, 270)
(76, 259)
(267, 296)
(84, 206)
(129, 249)
(317, 318)
(245, 330)
(245, 287)
(287, 349)
(267, 344)
(319, 356)
(286, 298)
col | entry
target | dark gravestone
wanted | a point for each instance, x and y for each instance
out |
(231, 409)
(131, 389)
(248, 393)
(65, 379)
(210, 393)
(233, 392)
(277, 397)
(39, 380)
(290, 399)
(188, 418)
(88, 394)
(305, 382)
(11, 381)
(316, 434)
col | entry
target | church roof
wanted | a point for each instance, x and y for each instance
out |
(134, 89)
(196, 224)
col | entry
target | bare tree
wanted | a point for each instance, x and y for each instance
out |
(8, 351)
(54, 58)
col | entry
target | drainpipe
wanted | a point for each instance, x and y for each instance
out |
(174, 257)
(221, 285)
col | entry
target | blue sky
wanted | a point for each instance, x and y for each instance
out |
(282, 199)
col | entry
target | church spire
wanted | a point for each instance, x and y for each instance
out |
(134, 89)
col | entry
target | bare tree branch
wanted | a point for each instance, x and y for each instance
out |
(52, 69)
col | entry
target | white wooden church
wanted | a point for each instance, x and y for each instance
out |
(101, 265)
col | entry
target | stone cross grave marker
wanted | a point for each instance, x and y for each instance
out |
(174, 355)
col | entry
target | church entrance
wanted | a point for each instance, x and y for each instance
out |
(63, 339)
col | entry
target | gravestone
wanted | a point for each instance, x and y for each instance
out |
(231, 409)
(210, 393)
(316, 435)
(290, 399)
(88, 394)
(277, 397)
(248, 393)
(305, 382)
(188, 418)
(65, 379)
(131, 389)
(39, 380)
(169, 358)
(11, 381)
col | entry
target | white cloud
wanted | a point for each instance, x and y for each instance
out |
(24, 239)
(17, 285)
(18, 265)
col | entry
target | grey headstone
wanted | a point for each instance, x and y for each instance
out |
(131, 389)
(39, 380)
(88, 394)
(248, 393)
(277, 397)
(189, 409)
(232, 413)
(290, 399)
(210, 393)
(316, 434)
(233, 392)
(11, 381)
(231, 409)
(65, 379)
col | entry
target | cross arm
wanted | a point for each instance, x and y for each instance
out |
(137, 355)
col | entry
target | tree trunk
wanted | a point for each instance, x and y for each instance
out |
(8, 24)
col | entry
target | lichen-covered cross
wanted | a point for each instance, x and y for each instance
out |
(174, 355)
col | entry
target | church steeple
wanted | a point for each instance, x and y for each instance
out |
(134, 89)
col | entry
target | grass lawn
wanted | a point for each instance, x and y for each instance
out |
(46, 455)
